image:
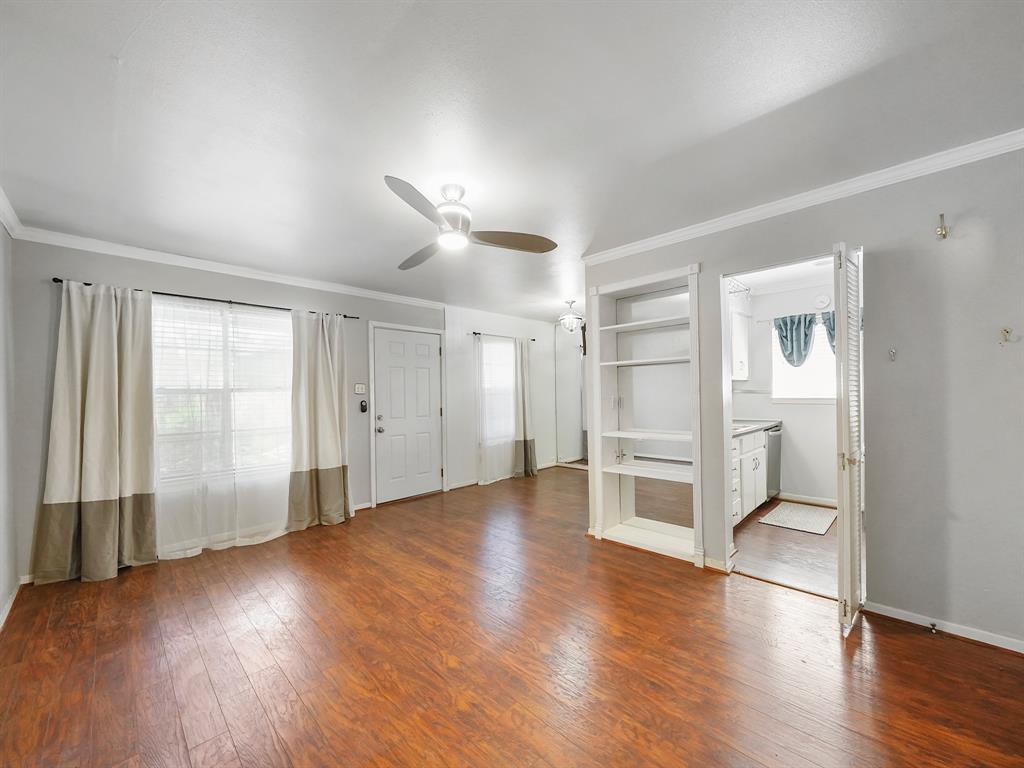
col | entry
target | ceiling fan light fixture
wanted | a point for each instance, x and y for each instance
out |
(571, 320)
(452, 240)
(456, 214)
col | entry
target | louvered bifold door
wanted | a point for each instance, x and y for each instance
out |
(849, 433)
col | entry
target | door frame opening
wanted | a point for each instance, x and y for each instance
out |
(845, 570)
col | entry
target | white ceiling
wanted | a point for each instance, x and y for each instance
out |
(258, 134)
(788, 277)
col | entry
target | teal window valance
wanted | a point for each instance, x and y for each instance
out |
(828, 319)
(796, 334)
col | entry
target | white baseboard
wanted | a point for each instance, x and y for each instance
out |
(28, 578)
(717, 565)
(461, 484)
(818, 500)
(980, 635)
(698, 557)
(581, 467)
(547, 466)
(6, 609)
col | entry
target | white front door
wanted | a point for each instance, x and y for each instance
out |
(407, 421)
(849, 433)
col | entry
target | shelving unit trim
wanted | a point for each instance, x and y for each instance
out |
(650, 434)
(654, 470)
(647, 361)
(646, 325)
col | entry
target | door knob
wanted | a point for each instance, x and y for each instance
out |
(380, 429)
(380, 417)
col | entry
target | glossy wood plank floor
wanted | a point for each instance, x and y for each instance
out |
(482, 628)
(797, 559)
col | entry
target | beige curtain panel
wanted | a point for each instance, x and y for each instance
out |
(525, 447)
(98, 504)
(318, 488)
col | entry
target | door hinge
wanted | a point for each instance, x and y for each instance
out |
(442, 471)
(442, 411)
(842, 461)
(839, 261)
(846, 609)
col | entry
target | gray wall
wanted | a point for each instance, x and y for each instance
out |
(8, 559)
(944, 422)
(37, 308)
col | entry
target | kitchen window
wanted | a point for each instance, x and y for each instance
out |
(814, 381)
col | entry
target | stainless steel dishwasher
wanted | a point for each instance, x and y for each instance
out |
(774, 456)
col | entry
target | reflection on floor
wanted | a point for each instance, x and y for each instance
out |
(482, 628)
(665, 501)
(797, 559)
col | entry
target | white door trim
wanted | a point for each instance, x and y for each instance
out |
(372, 327)
(727, 409)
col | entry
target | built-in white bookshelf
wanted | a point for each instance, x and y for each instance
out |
(625, 446)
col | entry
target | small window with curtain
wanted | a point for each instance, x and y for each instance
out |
(814, 379)
(498, 384)
(222, 387)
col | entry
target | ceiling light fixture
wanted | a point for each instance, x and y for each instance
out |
(571, 320)
(452, 240)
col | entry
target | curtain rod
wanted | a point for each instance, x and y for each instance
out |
(498, 335)
(220, 301)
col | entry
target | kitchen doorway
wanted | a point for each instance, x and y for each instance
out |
(792, 406)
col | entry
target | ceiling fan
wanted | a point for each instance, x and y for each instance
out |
(453, 219)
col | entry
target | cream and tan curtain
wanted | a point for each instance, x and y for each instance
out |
(318, 488)
(505, 422)
(98, 505)
(525, 459)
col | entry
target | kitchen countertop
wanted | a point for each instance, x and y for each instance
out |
(748, 426)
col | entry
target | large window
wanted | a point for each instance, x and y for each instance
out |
(815, 380)
(222, 387)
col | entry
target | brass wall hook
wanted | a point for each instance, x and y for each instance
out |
(942, 231)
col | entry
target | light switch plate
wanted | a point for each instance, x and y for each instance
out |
(360, 389)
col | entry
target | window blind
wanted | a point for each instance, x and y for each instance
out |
(222, 387)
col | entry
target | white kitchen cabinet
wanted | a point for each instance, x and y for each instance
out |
(737, 500)
(748, 483)
(740, 346)
(749, 474)
(760, 476)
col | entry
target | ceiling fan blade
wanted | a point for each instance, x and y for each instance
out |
(515, 241)
(420, 256)
(415, 199)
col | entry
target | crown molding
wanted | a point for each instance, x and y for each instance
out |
(49, 237)
(8, 217)
(912, 169)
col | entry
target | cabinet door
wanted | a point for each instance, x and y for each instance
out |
(760, 476)
(740, 347)
(748, 483)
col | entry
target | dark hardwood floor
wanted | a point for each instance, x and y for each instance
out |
(664, 500)
(482, 628)
(797, 559)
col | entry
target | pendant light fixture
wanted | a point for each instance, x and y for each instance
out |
(571, 320)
